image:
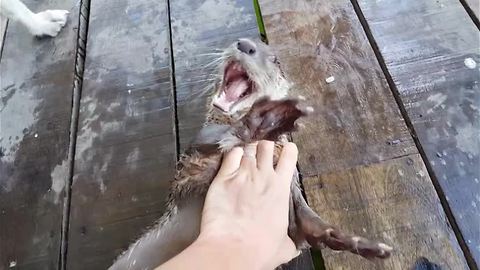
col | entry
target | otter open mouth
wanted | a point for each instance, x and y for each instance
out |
(236, 86)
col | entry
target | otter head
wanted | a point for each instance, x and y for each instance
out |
(249, 71)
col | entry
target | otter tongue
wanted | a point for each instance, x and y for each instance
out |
(232, 93)
(235, 89)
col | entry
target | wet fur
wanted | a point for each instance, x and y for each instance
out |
(254, 118)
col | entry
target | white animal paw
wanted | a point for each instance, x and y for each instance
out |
(49, 22)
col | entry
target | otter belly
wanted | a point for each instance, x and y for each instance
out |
(175, 231)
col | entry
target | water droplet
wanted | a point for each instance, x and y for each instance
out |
(394, 142)
(12, 264)
(410, 161)
(330, 79)
(129, 91)
(36, 135)
(470, 63)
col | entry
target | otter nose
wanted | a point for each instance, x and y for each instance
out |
(246, 46)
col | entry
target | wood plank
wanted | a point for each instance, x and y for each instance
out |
(356, 123)
(36, 94)
(200, 28)
(125, 152)
(429, 66)
(393, 200)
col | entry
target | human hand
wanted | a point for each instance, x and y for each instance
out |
(246, 207)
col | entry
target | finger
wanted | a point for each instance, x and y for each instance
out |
(265, 154)
(249, 159)
(287, 161)
(231, 161)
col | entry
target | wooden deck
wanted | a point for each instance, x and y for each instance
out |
(92, 122)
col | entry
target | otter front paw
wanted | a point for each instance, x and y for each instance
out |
(337, 240)
(318, 234)
(268, 119)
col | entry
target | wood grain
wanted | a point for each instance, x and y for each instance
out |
(357, 122)
(125, 152)
(393, 201)
(36, 94)
(200, 30)
(429, 66)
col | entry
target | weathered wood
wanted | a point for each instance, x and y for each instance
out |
(200, 30)
(393, 201)
(125, 152)
(437, 77)
(36, 94)
(357, 122)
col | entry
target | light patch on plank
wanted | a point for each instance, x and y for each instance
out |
(133, 157)
(59, 177)
(437, 100)
(124, 34)
(20, 108)
(468, 140)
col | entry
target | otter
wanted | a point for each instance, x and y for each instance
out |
(249, 103)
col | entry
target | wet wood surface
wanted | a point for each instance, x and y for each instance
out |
(125, 152)
(393, 201)
(360, 166)
(437, 76)
(36, 94)
(357, 122)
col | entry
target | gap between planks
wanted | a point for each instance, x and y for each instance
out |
(80, 54)
(173, 85)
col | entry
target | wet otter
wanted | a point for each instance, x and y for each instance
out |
(250, 103)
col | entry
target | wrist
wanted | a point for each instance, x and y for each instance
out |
(234, 252)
